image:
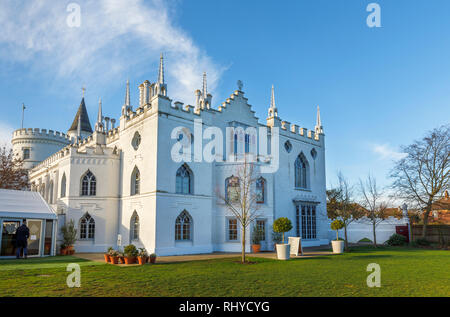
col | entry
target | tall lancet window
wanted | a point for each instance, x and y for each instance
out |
(301, 172)
(50, 193)
(63, 186)
(135, 182)
(260, 190)
(183, 227)
(134, 227)
(87, 227)
(88, 184)
(184, 180)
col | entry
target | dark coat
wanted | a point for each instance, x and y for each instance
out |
(22, 235)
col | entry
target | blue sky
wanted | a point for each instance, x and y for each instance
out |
(378, 88)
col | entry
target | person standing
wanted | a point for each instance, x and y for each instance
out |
(22, 235)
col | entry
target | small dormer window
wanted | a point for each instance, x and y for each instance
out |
(136, 141)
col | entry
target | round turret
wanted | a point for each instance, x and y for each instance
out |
(35, 145)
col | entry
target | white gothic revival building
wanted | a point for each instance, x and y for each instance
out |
(122, 181)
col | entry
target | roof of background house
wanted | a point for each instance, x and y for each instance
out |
(24, 204)
(443, 203)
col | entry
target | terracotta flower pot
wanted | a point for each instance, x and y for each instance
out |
(122, 259)
(68, 250)
(142, 260)
(130, 259)
(114, 259)
(256, 248)
(153, 260)
(107, 259)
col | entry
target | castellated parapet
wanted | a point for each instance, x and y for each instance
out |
(35, 145)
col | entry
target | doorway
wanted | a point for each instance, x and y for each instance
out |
(34, 240)
(8, 244)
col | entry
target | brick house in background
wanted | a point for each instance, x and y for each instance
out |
(440, 210)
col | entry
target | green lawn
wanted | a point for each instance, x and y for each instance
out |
(404, 272)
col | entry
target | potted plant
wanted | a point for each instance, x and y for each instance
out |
(282, 225)
(338, 245)
(130, 253)
(142, 256)
(114, 256)
(257, 236)
(69, 237)
(121, 257)
(107, 259)
(152, 258)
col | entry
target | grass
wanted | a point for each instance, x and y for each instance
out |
(404, 272)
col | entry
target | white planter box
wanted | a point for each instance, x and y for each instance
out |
(283, 251)
(338, 246)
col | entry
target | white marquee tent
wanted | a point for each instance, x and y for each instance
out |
(17, 207)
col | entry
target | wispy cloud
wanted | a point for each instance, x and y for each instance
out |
(115, 38)
(385, 151)
(5, 134)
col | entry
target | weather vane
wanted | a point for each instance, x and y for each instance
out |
(83, 89)
(240, 85)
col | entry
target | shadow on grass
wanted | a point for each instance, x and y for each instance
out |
(45, 260)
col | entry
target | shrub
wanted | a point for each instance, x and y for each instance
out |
(143, 253)
(130, 250)
(365, 240)
(69, 234)
(282, 225)
(396, 239)
(422, 242)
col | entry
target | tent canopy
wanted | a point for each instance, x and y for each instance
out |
(24, 204)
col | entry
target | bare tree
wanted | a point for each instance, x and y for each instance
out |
(373, 200)
(424, 174)
(241, 198)
(341, 205)
(12, 174)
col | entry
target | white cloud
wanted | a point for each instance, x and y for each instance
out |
(116, 37)
(385, 151)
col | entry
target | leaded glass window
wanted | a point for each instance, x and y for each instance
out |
(183, 180)
(183, 227)
(88, 185)
(87, 227)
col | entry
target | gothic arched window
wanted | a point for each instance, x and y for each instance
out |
(88, 184)
(87, 227)
(301, 172)
(50, 193)
(134, 227)
(135, 182)
(184, 180)
(260, 190)
(232, 189)
(63, 186)
(183, 227)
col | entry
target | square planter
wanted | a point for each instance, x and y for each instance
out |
(283, 251)
(338, 246)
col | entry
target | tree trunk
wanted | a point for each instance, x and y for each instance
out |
(374, 234)
(425, 221)
(243, 244)
(345, 242)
